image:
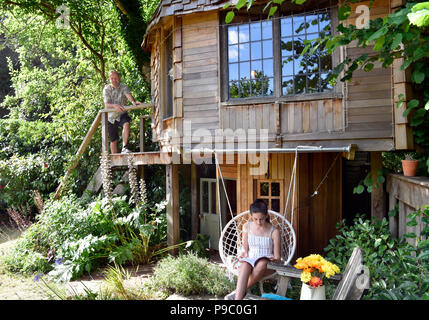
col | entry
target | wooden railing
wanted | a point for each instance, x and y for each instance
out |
(409, 194)
(101, 117)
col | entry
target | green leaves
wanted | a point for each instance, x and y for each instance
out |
(419, 15)
(379, 33)
(344, 12)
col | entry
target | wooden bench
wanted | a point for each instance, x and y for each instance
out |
(350, 286)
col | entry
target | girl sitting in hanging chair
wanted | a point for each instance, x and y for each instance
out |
(261, 244)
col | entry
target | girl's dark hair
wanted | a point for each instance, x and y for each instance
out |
(259, 206)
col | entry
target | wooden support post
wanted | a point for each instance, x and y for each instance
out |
(104, 133)
(142, 133)
(378, 202)
(194, 201)
(172, 195)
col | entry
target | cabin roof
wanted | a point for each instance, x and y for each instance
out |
(180, 7)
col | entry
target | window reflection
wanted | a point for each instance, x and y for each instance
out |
(309, 72)
(251, 56)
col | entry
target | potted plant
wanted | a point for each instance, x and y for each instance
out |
(314, 269)
(410, 165)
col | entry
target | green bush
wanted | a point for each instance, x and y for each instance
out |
(73, 236)
(397, 269)
(190, 275)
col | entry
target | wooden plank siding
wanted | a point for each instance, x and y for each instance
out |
(200, 70)
(368, 96)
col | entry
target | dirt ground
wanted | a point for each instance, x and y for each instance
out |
(20, 287)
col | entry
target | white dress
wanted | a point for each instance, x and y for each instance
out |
(259, 247)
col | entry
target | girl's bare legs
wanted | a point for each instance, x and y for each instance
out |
(248, 276)
(243, 278)
(259, 271)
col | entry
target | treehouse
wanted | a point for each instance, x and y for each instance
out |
(239, 96)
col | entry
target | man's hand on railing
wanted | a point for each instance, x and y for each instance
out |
(118, 107)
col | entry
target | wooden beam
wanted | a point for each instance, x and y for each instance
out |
(172, 196)
(80, 152)
(378, 202)
(194, 201)
(104, 133)
(141, 158)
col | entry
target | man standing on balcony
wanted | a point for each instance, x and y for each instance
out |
(115, 96)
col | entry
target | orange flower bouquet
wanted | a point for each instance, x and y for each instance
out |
(314, 268)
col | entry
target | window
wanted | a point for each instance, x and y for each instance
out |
(307, 73)
(250, 57)
(168, 73)
(208, 196)
(270, 191)
(256, 68)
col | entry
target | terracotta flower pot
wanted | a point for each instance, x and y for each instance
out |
(410, 167)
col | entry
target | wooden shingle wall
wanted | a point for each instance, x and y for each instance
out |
(200, 70)
(368, 96)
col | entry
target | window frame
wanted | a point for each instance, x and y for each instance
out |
(277, 63)
(270, 197)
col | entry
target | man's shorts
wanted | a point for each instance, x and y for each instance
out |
(112, 128)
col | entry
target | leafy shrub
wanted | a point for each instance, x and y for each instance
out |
(386, 258)
(20, 176)
(189, 274)
(73, 236)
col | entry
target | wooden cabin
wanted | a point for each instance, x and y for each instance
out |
(245, 81)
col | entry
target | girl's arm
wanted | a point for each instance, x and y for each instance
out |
(244, 244)
(277, 245)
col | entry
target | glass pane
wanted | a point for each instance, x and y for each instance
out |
(325, 23)
(300, 83)
(275, 189)
(255, 31)
(205, 196)
(268, 86)
(267, 48)
(312, 36)
(311, 23)
(268, 67)
(256, 87)
(286, 27)
(298, 25)
(244, 52)
(232, 35)
(245, 89)
(275, 205)
(256, 50)
(233, 53)
(243, 33)
(298, 68)
(298, 45)
(287, 66)
(286, 46)
(213, 199)
(233, 89)
(267, 30)
(312, 63)
(325, 61)
(287, 85)
(256, 71)
(264, 188)
(324, 84)
(233, 71)
(313, 82)
(244, 70)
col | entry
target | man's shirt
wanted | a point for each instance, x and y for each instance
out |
(115, 96)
